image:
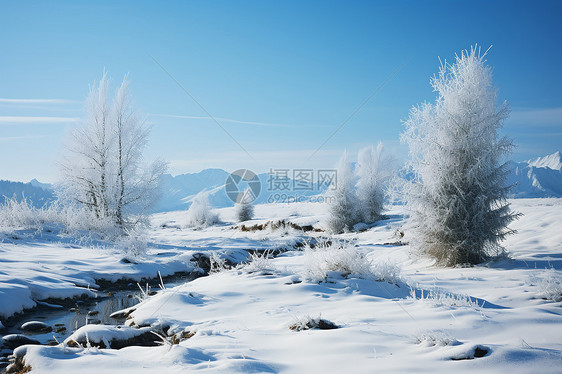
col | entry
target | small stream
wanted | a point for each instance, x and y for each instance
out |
(66, 316)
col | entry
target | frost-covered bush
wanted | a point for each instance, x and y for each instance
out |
(259, 263)
(457, 197)
(374, 173)
(344, 211)
(345, 259)
(133, 245)
(244, 211)
(217, 263)
(200, 214)
(549, 285)
(71, 219)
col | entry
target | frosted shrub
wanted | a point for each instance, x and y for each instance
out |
(133, 245)
(244, 212)
(374, 174)
(21, 215)
(69, 218)
(217, 263)
(259, 263)
(199, 213)
(549, 285)
(244, 207)
(345, 259)
(344, 211)
(457, 197)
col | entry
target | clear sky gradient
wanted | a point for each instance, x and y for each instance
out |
(280, 77)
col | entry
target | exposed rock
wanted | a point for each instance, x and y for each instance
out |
(203, 261)
(313, 323)
(13, 341)
(36, 326)
(114, 337)
(476, 352)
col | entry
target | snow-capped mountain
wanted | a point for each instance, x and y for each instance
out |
(541, 177)
(553, 161)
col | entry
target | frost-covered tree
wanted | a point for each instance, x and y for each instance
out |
(344, 210)
(457, 198)
(200, 213)
(136, 184)
(374, 172)
(244, 208)
(85, 167)
(102, 168)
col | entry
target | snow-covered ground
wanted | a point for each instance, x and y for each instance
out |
(395, 312)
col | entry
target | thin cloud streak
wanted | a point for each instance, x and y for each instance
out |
(36, 101)
(33, 120)
(536, 116)
(8, 139)
(251, 123)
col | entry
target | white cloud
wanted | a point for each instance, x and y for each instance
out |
(30, 119)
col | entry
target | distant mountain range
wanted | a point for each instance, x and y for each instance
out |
(541, 177)
(178, 191)
(37, 193)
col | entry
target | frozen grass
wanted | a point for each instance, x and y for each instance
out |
(71, 219)
(218, 263)
(549, 284)
(433, 338)
(440, 297)
(259, 263)
(342, 257)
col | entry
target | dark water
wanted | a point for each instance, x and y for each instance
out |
(69, 316)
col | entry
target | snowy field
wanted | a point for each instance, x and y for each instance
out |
(394, 311)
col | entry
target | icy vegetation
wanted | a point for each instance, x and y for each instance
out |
(358, 196)
(70, 218)
(374, 172)
(344, 206)
(457, 198)
(244, 208)
(102, 167)
(310, 307)
(200, 213)
(305, 287)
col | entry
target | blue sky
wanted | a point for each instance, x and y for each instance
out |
(280, 76)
